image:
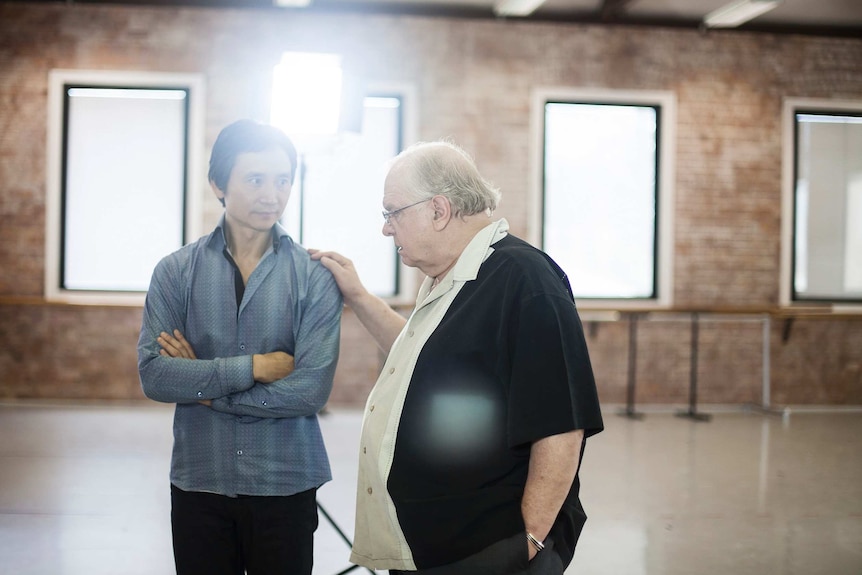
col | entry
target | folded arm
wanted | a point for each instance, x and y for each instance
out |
(266, 367)
(169, 368)
(181, 379)
(308, 375)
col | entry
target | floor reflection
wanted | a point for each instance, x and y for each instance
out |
(84, 490)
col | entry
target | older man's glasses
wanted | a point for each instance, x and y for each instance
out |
(387, 216)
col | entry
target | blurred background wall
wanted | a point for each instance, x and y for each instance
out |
(472, 80)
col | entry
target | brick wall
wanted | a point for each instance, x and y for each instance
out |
(473, 81)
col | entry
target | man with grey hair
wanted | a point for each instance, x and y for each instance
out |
(473, 434)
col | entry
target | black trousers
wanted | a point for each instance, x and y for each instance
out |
(506, 557)
(219, 535)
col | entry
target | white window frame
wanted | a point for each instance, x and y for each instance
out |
(666, 100)
(409, 279)
(788, 198)
(58, 78)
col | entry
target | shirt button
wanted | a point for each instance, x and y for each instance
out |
(242, 346)
(391, 370)
(363, 450)
(411, 333)
(239, 452)
(371, 408)
(200, 394)
(369, 491)
(263, 403)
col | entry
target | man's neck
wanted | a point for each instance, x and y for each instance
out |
(464, 232)
(245, 243)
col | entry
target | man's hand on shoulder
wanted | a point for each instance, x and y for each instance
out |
(344, 272)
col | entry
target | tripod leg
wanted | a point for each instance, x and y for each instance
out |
(343, 536)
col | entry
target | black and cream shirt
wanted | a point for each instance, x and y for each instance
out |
(491, 359)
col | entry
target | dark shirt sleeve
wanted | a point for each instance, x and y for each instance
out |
(552, 388)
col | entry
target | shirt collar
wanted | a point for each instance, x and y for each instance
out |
(471, 259)
(477, 251)
(219, 241)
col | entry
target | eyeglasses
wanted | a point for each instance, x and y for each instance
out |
(388, 215)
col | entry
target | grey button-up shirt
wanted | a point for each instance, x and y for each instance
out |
(255, 439)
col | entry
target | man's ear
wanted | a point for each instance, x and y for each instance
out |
(442, 212)
(218, 192)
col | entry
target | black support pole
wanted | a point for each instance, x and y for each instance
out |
(692, 380)
(632, 369)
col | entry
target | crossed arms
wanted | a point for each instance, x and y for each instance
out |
(287, 382)
(266, 367)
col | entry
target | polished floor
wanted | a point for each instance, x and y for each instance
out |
(84, 491)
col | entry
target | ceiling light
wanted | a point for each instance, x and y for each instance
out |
(516, 7)
(738, 12)
(291, 3)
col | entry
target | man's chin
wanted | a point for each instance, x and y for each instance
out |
(264, 223)
(408, 262)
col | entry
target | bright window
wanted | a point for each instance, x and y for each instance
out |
(603, 187)
(337, 197)
(119, 174)
(336, 201)
(826, 203)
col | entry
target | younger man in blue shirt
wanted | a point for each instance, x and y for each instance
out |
(241, 330)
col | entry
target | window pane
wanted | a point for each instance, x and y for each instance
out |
(124, 185)
(828, 207)
(600, 190)
(337, 200)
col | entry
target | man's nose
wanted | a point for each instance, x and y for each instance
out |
(269, 193)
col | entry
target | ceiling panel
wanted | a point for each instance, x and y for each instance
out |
(824, 17)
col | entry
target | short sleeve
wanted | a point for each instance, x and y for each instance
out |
(552, 387)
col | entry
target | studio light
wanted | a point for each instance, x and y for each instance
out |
(516, 7)
(738, 12)
(306, 94)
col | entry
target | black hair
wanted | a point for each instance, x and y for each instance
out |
(241, 137)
